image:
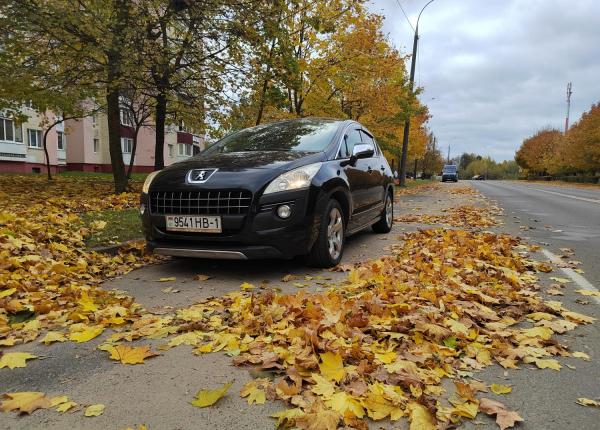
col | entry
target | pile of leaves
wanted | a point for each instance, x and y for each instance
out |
(47, 278)
(417, 189)
(465, 216)
(446, 303)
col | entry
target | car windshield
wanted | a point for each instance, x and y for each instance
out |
(449, 168)
(307, 135)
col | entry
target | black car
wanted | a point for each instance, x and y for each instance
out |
(280, 190)
(450, 173)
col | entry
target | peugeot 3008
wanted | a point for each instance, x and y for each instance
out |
(296, 187)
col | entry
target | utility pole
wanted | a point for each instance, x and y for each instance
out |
(569, 92)
(448, 154)
(413, 61)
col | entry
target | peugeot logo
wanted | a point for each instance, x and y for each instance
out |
(198, 176)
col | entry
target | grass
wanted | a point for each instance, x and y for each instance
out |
(95, 175)
(121, 225)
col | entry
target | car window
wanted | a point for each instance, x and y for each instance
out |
(352, 138)
(305, 135)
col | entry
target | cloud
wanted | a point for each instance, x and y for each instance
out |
(494, 72)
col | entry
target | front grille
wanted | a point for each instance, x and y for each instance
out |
(224, 202)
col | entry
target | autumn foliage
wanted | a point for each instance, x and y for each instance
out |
(550, 152)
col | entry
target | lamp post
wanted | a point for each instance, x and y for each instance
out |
(411, 86)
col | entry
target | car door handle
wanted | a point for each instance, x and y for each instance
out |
(382, 168)
(370, 170)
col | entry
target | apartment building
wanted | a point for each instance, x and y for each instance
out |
(21, 145)
(82, 145)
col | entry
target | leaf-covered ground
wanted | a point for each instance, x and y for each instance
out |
(382, 345)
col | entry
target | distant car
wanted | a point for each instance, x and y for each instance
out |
(478, 178)
(450, 173)
(289, 188)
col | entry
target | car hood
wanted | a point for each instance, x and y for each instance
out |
(236, 170)
(238, 161)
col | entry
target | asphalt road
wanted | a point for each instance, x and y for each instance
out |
(555, 217)
(158, 393)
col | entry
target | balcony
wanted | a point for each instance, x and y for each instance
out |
(12, 151)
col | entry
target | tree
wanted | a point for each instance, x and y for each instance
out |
(536, 151)
(138, 107)
(66, 44)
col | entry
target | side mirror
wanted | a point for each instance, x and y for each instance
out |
(363, 150)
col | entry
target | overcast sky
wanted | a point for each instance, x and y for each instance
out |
(495, 71)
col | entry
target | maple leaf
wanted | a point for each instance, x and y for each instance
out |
(504, 418)
(583, 401)
(130, 355)
(87, 334)
(167, 279)
(15, 359)
(420, 418)
(332, 366)
(320, 419)
(500, 389)
(206, 398)
(323, 387)
(582, 355)
(64, 407)
(24, 402)
(253, 393)
(86, 303)
(345, 404)
(53, 336)
(94, 410)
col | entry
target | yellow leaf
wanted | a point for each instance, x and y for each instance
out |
(420, 418)
(332, 366)
(88, 333)
(98, 225)
(582, 292)
(323, 386)
(500, 389)
(94, 410)
(169, 279)
(287, 416)
(253, 393)
(64, 407)
(206, 398)
(7, 293)
(24, 402)
(53, 336)
(583, 401)
(55, 401)
(246, 286)
(130, 355)
(582, 355)
(386, 357)
(86, 303)
(15, 359)
(549, 363)
(560, 280)
(345, 404)
(578, 318)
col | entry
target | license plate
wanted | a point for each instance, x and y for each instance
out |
(205, 224)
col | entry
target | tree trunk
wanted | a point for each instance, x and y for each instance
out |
(46, 153)
(132, 158)
(161, 115)
(114, 140)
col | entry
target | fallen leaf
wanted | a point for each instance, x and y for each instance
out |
(15, 359)
(332, 366)
(583, 401)
(167, 279)
(94, 410)
(500, 389)
(206, 398)
(504, 418)
(130, 355)
(24, 402)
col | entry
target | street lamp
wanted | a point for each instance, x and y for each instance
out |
(411, 85)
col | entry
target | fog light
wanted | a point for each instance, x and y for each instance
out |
(284, 211)
(142, 209)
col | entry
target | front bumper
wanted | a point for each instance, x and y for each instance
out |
(260, 233)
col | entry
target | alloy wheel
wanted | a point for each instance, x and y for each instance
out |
(335, 233)
(389, 211)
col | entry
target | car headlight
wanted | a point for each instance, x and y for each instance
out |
(148, 181)
(294, 179)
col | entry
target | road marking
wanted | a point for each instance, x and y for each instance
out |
(585, 199)
(583, 283)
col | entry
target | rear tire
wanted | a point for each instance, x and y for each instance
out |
(328, 249)
(385, 223)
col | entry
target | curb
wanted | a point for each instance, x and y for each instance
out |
(113, 249)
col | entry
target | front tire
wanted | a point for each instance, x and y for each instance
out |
(385, 223)
(328, 249)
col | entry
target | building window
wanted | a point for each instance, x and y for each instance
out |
(7, 130)
(96, 145)
(61, 141)
(185, 149)
(34, 138)
(170, 150)
(126, 117)
(18, 133)
(126, 145)
(94, 118)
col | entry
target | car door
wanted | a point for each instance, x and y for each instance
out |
(375, 169)
(358, 177)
